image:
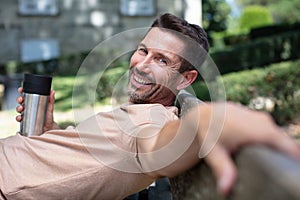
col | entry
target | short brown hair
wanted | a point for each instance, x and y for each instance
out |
(193, 31)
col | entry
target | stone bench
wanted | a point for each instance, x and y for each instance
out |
(263, 173)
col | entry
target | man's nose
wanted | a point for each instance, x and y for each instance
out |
(144, 65)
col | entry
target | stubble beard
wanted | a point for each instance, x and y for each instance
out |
(154, 94)
(139, 97)
(134, 93)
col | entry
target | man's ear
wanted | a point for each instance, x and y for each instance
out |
(186, 79)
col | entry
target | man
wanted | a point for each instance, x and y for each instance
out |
(112, 155)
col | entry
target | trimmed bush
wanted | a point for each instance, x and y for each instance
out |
(259, 52)
(279, 83)
(255, 16)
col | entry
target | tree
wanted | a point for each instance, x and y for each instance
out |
(215, 13)
(245, 3)
(255, 16)
(283, 11)
(214, 16)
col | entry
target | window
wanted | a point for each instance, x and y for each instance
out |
(38, 7)
(137, 7)
(33, 50)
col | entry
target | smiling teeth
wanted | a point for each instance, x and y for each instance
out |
(141, 81)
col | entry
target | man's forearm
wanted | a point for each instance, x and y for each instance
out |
(176, 147)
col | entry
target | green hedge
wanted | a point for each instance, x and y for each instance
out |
(279, 83)
(258, 53)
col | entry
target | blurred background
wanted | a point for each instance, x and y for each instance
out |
(254, 43)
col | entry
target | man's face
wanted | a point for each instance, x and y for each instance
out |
(154, 68)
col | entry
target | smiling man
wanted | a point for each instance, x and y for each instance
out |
(114, 154)
(154, 71)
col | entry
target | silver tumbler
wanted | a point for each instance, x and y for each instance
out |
(36, 91)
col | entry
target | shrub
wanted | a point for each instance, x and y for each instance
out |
(255, 16)
(111, 83)
(279, 82)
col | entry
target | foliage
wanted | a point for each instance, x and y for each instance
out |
(113, 82)
(63, 86)
(283, 11)
(286, 11)
(214, 17)
(259, 52)
(279, 83)
(255, 16)
(245, 3)
(215, 14)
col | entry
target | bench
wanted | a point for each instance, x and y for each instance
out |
(263, 173)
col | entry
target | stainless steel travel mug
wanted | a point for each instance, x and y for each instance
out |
(36, 91)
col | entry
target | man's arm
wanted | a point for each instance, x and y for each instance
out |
(212, 131)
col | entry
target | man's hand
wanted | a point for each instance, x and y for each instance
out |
(49, 122)
(241, 126)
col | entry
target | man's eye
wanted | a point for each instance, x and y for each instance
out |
(162, 61)
(142, 50)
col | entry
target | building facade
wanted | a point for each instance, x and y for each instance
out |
(62, 27)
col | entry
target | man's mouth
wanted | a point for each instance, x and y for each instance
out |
(141, 80)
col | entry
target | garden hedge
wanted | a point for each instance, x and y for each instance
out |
(279, 83)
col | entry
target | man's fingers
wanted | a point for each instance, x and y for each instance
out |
(19, 118)
(19, 109)
(20, 99)
(20, 90)
(52, 97)
(51, 102)
(223, 168)
(285, 144)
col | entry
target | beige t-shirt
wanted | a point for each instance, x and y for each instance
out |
(98, 159)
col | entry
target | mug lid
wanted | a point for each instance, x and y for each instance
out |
(37, 84)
